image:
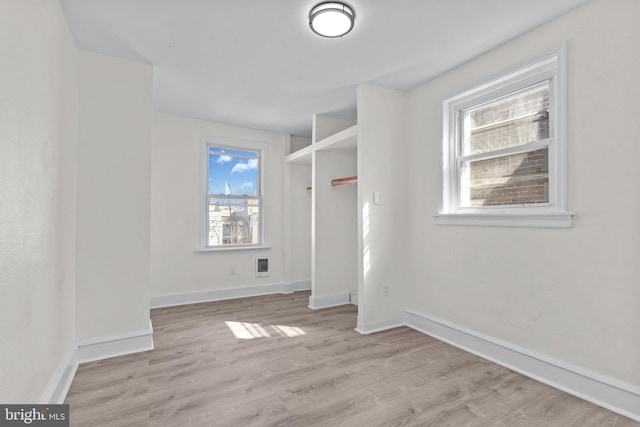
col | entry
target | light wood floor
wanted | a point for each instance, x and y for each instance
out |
(271, 361)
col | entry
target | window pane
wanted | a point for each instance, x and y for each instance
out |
(232, 174)
(514, 120)
(233, 221)
(509, 180)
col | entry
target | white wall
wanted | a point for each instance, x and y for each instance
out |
(298, 143)
(382, 167)
(298, 220)
(300, 223)
(38, 114)
(334, 221)
(569, 294)
(114, 182)
(176, 265)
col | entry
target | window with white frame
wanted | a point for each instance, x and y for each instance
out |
(504, 150)
(233, 208)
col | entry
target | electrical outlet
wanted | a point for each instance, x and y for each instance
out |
(385, 290)
(232, 271)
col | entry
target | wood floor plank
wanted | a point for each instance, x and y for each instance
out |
(271, 361)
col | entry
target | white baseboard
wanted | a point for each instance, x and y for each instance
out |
(89, 351)
(115, 345)
(304, 285)
(289, 288)
(373, 327)
(353, 297)
(604, 391)
(56, 390)
(316, 303)
(170, 300)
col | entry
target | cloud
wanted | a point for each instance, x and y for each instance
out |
(242, 167)
(223, 159)
(247, 184)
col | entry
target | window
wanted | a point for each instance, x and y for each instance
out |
(504, 146)
(233, 208)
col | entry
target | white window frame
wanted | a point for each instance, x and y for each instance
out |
(232, 144)
(550, 67)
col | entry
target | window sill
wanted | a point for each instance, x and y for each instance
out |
(524, 220)
(233, 248)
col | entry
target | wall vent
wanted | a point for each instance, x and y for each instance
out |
(262, 267)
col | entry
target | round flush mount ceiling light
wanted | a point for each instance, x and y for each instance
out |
(331, 19)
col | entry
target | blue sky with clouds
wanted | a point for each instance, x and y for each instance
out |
(240, 173)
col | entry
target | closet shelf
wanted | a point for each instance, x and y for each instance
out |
(343, 181)
(346, 140)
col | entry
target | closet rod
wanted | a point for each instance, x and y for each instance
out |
(343, 181)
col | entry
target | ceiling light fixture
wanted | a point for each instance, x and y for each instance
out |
(331, 19)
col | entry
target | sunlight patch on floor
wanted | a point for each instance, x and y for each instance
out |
(248, 331)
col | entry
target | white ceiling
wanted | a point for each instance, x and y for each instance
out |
(256, 63)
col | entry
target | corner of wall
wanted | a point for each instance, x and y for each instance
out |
(382, 123)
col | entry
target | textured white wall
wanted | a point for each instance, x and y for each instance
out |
(382, 167)
(114, 187)
(38, 114)
(570, 294)
(176, 266)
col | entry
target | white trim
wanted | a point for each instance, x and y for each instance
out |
(170, 300)
(115, 345)
(505, 152)
(373, 327)
(537, 220)
(601, 390)
(56, 390)
(316, 303)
